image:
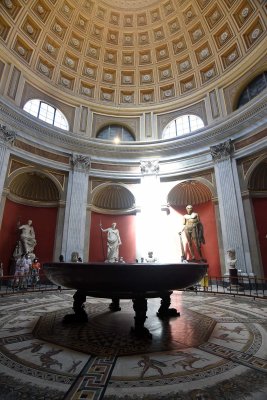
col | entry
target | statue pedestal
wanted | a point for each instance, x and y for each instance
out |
(233, 280)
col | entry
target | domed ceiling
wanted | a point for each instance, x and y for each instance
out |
(131, 53)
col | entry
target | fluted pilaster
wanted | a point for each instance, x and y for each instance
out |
(75, 213)
(230, 204)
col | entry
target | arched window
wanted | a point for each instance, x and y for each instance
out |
(47, 113)
(115, 133)
(182, 125)
(253, 89)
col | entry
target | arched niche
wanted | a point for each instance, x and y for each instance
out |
(111, 202)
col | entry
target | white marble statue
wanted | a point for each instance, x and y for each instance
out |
(27, 237)
(113, 242)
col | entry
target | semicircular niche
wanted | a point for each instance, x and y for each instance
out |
(189, 192)
(34, 186)
(258, 179)
(114, 197)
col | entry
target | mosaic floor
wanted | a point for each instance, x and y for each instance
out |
(216, 349)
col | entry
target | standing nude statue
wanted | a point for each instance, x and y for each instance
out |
(193, 230)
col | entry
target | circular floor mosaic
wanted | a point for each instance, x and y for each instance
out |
(109, 332)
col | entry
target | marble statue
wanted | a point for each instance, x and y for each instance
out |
(193, 230)
(113, 242)
(231, 258)
(27, 237)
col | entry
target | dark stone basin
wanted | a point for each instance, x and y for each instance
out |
(109, 279)
(125, 281)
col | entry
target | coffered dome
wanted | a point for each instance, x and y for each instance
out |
(131, 53)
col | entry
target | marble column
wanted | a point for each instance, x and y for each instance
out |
(75, 212)
(234, 231)
(7, 139)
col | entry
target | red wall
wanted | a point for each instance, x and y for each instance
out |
(98, 242)
(260, 206)
(210, 250)
(44, 224)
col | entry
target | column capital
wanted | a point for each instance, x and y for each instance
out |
(7, 136)
(80, 162)
(222, 151)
